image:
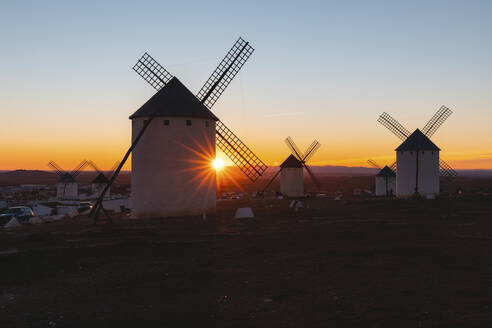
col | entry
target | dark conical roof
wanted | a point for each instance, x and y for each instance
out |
(174, 99)
(100, 178)
(417, 141)
(386, 172)
(66, 178)
(291, 162)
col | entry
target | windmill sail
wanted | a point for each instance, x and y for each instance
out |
(152, 72)
(227, 141)
(224, 73)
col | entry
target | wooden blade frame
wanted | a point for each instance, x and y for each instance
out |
(446, 170)
(55, 167)
(293, 148)
(436, 121)
(312, 149)
(226, 140)
(79, 167)
(94, 166)
(152, 72)
(394, 126)
(238, 152)
(224, 73)
(374, 164)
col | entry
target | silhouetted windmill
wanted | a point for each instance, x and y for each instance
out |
(385, 184)
(418, 165)
(67, 187)
(101, 179)
(172, 101)
(291, 170)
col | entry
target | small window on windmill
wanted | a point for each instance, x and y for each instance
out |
(188, 122)
(166, 122)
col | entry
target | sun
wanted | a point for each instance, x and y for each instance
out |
(218, 164)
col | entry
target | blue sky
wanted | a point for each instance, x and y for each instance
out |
(321, 70)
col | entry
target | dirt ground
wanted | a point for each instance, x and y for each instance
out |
(349, 263)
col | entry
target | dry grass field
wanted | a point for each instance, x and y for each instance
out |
(349, 263)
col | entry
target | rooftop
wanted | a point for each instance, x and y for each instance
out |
(386, 172)
(417, 141)
(291, 162)
(174, 99)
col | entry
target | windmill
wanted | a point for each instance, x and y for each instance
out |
(385, 179)
(180, 123)
(67, 187)
(291, 170)
(101, 179)
(418, 165)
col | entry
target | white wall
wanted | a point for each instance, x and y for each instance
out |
(291, 182)
(428, 178)
(67, 190)
(385, 182)
(171, 168)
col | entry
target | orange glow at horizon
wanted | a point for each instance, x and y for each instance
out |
(36, 155)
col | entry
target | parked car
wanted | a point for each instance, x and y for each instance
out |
(22, 213)
(84, 206)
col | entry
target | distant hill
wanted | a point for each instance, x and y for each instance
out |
(27, 177)
(18, 177)
(9, 178)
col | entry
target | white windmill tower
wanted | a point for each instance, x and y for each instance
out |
(67, 187)
(418, 165)
(176, 135)
(385, 180)
(101, 180)
(291, 170)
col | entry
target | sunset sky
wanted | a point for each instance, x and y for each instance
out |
(321, 70)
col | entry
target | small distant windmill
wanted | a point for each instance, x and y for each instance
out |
(101, 180)
(291, 170)
(418, 165)
(385, 179)
(67, 187)
(163, 183)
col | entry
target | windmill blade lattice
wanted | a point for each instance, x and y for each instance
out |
(94, 166)
(79, 167)
(313, 148)
(293, 148)
(446, 170)
(152, 72)
(374, 164)
(239, 153)
(227, 141)
(393, 166)
(394, 126)
(436, 121)
(224, 73)
(55, 167)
